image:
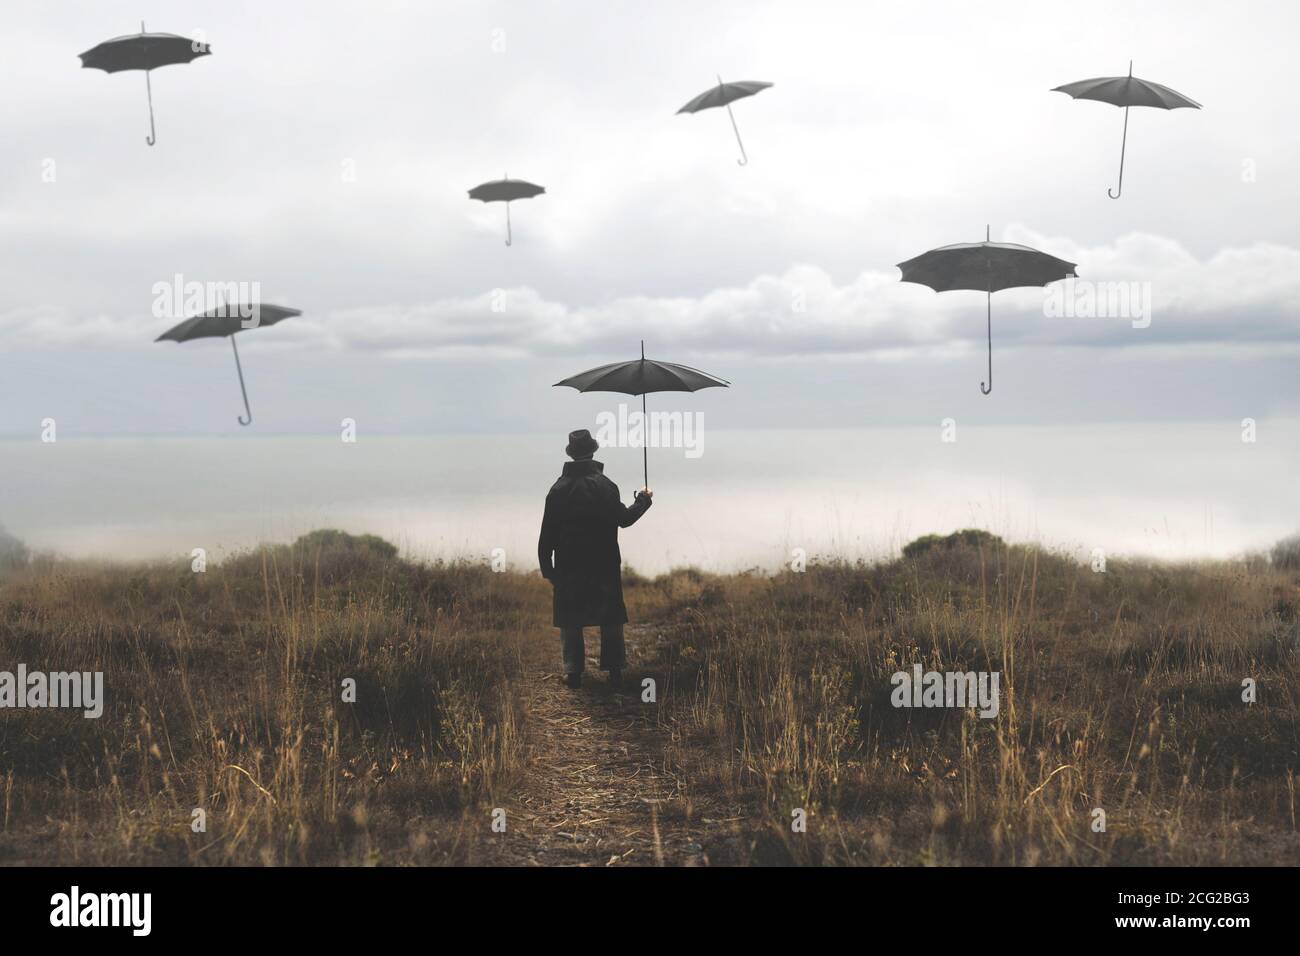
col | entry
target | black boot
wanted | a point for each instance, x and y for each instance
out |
(616, 677)
(573, 680)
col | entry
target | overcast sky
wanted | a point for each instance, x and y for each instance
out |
(324, 151)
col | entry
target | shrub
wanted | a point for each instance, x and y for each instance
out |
(13, 553)
(1286, 553)
(327, 540)
(967, 537)
(633, 578)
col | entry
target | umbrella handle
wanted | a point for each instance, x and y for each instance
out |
(152, 137)
(989, 388)
(1123, 144)
(508, 235)
(243, 391)
(645, 439)
(744, 157)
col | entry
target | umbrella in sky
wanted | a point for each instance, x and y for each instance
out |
(986, 267)
(226, 321)
(1126, 91)
(723, 95)
(638, 377)
(506, 190)
(143, 51)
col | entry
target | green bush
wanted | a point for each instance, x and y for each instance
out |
(967, 538)
(331, 540)
(1286, 553)
(13, 553)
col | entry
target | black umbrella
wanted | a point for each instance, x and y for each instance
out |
(1126, 91)
(638, 377)
(723, 95)
(506, 190)
(226, 321)
(985, 267)
(143, 51)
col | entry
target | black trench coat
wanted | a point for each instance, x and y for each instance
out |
(580, 528)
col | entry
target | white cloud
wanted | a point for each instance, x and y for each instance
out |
(1239, 296)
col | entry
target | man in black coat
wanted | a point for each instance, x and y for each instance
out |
(578, 553)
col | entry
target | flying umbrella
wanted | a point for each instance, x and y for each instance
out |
(1126, 91)
(505, 190)
(226, 321)
(143, 51)
(986, 267)
(723, 95)
(638, 377)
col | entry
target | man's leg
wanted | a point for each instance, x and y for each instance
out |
(613, 652)
(572, 652)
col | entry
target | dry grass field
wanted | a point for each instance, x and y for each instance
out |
(1120, 691)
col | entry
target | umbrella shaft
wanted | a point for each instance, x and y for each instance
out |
(1119, 189)
(988, 304)
(744, 157)
(148, 88)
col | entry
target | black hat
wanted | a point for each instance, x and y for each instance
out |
(581, 444)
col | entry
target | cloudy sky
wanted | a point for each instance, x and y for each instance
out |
(324, 151)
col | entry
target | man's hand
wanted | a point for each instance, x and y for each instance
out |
(647, 492)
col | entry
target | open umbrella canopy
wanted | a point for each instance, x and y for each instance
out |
(724, 94)
(225, 321)
(1127, 91)
(506, 190)
(986, 267)
(643, 375)
(640, 376)
(143, 51)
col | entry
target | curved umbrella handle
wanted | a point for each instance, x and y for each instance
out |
(1123, 144)
(152, 137)
(989, 388)
(243, 391)
(508, 235)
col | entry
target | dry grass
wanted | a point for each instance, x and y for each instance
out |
(1120, 691)
(224, 693)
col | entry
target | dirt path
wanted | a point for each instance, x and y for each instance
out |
(598, 790)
